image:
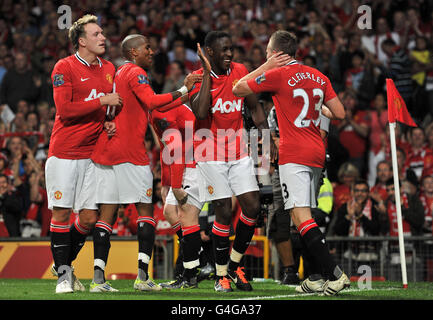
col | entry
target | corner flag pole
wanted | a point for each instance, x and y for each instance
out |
(392, 126)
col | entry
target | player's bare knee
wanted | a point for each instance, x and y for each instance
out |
(61, 214)
(88, 219)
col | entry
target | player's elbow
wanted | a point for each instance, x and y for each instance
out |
(241, 89)
(340, 115)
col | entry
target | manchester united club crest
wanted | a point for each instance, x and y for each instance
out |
(234, 82)
(210, 189)
(397, 103)
(109, 78)
(149, 192)
(57, 195)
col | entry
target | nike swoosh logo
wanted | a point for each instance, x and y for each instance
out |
(213, 89)
(60, 245)
(84, 79)
(219, 249)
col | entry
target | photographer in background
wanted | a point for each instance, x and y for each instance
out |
(10, 207)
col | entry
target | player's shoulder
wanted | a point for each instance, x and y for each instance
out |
(107, 64)
(198, 71)
(64, 62)
(238, 67)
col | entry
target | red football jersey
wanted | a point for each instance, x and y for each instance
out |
(180, 118)
(298, 93)
(127, 144)
(225, 114)
(77, 87)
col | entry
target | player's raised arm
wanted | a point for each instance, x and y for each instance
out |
(201, 102)
(136, 49)
(277, 59)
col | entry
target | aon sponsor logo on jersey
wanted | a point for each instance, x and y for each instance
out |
(227, 106)
(94, 95)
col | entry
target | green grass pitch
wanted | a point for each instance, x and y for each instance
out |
(39, 289)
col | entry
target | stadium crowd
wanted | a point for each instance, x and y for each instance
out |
(356, 60)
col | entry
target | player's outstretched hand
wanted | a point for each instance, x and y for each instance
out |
(111, 99)
(277, 60)
(190, 79)
(204, 61)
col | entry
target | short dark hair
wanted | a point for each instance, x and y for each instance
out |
(213, 36)
(285, 41)
(360, 181)
(390, 181)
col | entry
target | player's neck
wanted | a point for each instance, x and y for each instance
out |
(218, 71)
(90, 57)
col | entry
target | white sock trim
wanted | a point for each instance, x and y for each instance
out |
(143, 257)
(99, 263)
(221, 270)
(236, 256)
(191, 264)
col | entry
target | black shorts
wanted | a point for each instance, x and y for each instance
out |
(279, 226)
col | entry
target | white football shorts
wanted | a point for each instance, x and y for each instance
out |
(70, 183)
(123, 183)
(299, 185)
(221, 180)
(191, 186)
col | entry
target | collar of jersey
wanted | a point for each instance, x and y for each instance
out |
(291, 62)
(84, 61)
(213, 74)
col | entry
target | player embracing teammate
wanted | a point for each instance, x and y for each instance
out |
(222, 157)
(299, 92)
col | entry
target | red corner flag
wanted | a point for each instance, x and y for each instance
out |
(397, 110)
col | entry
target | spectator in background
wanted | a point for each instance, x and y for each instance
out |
(354, 75)
(426, 198)
(353, 131)
(399, 69)
(256, 56)
(18, 84)
(384, 173)
(378, 119)
(115, 56)
(419, 157)
(373, 43)
(358, 217)
(195, 33)
(175, 77)
(347, 174)
(43, 81)
(10, 207)
(421, 58)
(187, 56)
(412, 211)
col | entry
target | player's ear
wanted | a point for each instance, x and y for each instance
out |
(82, 41)
(209, 51)
(133, 52)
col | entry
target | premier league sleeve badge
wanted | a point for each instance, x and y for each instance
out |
(58, 80)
